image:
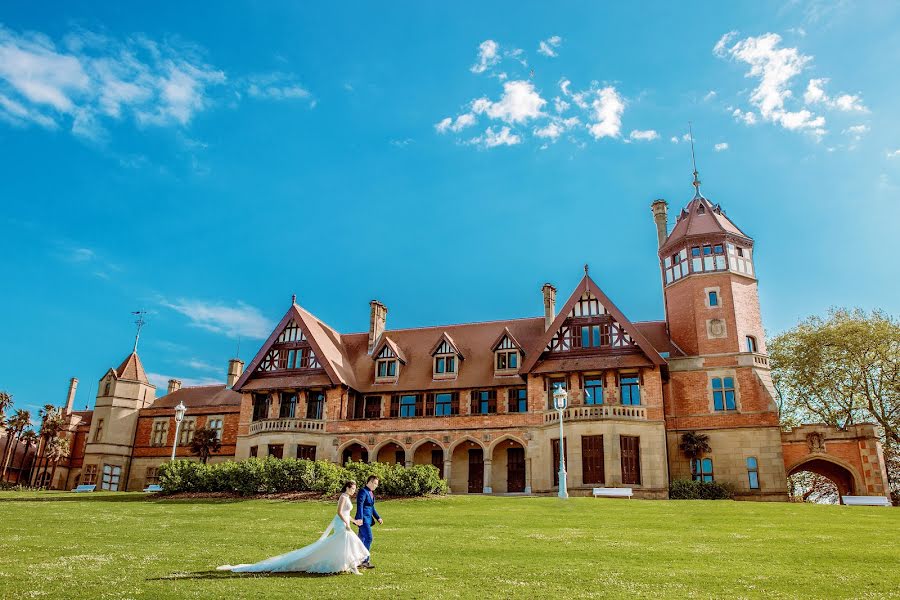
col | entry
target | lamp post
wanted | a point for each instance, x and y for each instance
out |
(560, 401)
(179, 417)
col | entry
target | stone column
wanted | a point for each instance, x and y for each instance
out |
(447, 464)
(274, 405)
(487, 476)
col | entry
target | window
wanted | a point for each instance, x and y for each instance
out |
(740, 259)
(151, 477)
(554, 466)
(315, 404)
(713, 299)
(753, 472)
(630, 387)
(630, 446)
(106, 389)
(751, 344)
(701, 469)
(260, 406)
(373, 407)
(254, 451)
(518, 400)
(552, 384)
(186, 433)
(160, 432)
(484, 402)
(443, 404)
(593, 390)
(276, 450)
(709, 257)
(723, 393)
(676, 266)
(444, 364)
(110, 480)
(387, 368)
(507, 359)
(592, 469)
(408, 405)
(89, 476)
(356, 406)
(216, 424)
(288, 406)
(306, 452)
(98, 433)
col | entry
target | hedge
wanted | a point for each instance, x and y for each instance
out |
(686, 489)
(272, 475)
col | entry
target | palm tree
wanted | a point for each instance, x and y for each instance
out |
(51, 424)
(57, 450)
(205, 442)
(16, 424)
(30, 439)
(694, 445)
(5, 402)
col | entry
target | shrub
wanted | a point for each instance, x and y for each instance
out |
(686, 489)
(273, 475)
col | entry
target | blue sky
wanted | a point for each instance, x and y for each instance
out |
(204, 164)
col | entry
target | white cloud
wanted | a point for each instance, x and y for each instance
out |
(564, 86)
(893, 153)
(462, 121)
(673, 139)
(402, 143)
(748, 117)
(608, 107)
(488, 56)
(560, 105)
(548, 47)
(686, 137)
(721, 146)
(857, 129)
(710, 95)
(241, 320)
(643, 136)
(555, 128)
(492, 139)
(519, 103)
(815, 93)
(276, 86)
(82, 255)
(162, 381)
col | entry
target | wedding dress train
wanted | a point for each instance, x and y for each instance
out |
(339, 549)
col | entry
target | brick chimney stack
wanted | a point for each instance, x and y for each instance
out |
(377, 322)
(235, 369)
(660, 217)
(174, 385)
(70, 399)
(549, 305)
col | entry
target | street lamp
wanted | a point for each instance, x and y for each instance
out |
(179, 417)
(560, 401)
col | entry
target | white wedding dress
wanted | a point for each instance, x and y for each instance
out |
(338, 550)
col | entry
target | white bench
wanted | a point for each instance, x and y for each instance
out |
(85, 488)
(866, 500)
(153, 487)
(612, 492)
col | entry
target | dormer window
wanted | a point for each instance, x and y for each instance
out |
(506, 354)
(446, 358)
(386, 363)
(387, 368)
(290, 351)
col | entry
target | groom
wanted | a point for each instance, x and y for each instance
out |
(365, 510)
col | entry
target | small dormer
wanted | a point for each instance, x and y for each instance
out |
(388, 358)
(507, 354)
(446, 358)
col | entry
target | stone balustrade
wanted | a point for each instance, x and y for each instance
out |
(273, 425)
(597, 412)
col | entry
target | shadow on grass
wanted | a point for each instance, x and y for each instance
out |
(230, 575)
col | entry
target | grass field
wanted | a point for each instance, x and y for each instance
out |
(116, 545)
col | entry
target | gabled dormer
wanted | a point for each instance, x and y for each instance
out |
(388, 357)
(507, 354)
(291, 350)
(446, 358)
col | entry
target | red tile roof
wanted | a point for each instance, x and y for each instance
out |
(199, 396)
(132, 369)
(700, 217)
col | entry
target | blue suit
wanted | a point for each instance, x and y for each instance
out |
(365, 510)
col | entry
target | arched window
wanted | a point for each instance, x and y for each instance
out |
(702, 469)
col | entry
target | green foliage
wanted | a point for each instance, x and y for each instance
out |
(272, 475)
(686, 489)
(205, 442)
(694, 445)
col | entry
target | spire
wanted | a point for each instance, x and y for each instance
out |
(140, 322)
(696, 182)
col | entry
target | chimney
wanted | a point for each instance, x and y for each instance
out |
(377, 321)
(549, 305)
(660, 216)
(174, 385)
(235, 369)
(70, 399)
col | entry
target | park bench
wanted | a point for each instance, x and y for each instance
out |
(153, 487)
(612, 492)
(85, 488)
(866, 500)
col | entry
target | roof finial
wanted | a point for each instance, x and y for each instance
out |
(696, 183)
(293, 299)
(585, 268)
(140, 322)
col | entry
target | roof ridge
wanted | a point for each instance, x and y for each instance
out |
(386, 331)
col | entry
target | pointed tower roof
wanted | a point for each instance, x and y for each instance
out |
(131, 368)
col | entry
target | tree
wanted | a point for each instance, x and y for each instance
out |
(20, 420)
(52, 423)
(205, 442)
(30, 439)
(57, 449)
(694, 445)
(5, 402)
(841, 370)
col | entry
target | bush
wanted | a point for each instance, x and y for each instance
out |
(272, 475)
(685, 489)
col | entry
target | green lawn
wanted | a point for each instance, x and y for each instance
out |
(106, 545)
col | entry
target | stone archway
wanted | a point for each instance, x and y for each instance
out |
(842, 477)
(468, 468)
(391, 453)
(430, 452)
(355, 452)
(508, 471)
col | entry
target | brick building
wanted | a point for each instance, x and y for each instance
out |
(475, 399)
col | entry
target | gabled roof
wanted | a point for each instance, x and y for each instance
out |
(506, 333)
(132, 369)
(700, 217)
(588, 285)
(446, 337)
(386, 341)
(198, 397)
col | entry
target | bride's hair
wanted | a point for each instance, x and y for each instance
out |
(347, 485)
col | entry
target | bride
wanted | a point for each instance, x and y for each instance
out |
(337, 553)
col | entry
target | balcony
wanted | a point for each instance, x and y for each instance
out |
(276, 425)
(595, 413)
